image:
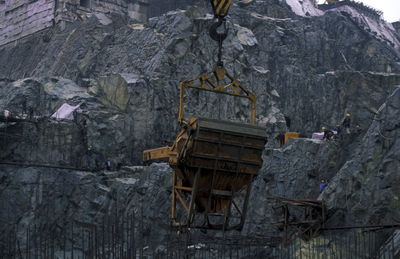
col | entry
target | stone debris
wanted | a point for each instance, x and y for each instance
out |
(246, 36)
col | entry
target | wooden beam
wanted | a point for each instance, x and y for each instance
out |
(193, 196)
(184, 188)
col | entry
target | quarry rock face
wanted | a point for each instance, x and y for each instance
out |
(22, 18)
(279, 59)
(365, 189)
(61, 197)
(307, 71)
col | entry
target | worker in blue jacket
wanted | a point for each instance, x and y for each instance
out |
(322, 185)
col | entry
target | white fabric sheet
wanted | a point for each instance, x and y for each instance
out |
(66, 111)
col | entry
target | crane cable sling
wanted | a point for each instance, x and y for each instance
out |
(220, 8)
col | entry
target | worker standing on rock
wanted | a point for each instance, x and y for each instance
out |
(24, 105)
(338, 129)
(30, 112)
(108, 164)
(322, 185)
(337, 132)
(119, 160)
(281, 139)
(94, 159)
(89, 157)
(84, 130)
(346, 123)
(327, 133)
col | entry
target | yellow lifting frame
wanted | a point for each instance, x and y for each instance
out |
(233, 88)
(156, 153)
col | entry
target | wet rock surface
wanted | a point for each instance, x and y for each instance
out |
(311, 70)
(56, 197)
(365, 190)
(133, 71)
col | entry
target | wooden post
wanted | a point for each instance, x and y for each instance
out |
(193, 196)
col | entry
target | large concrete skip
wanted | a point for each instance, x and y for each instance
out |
(225, 156)
(214, 163)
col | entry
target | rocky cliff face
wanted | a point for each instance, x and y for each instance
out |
(365, 189)
(280, 59)
(309, 68)
(363, 179)
(56, 197)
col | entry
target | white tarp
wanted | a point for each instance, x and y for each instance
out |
(66, 111)
(318, 135)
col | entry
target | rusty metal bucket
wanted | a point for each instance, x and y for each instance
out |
(215, 161)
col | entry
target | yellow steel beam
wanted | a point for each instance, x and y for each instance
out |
(233, 88)
(156, 153)
(184, 188)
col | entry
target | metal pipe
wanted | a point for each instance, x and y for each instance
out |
(367, 226)
(83, 242)
(72, 240)
(44, 165)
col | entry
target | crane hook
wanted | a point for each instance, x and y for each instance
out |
(214, 34)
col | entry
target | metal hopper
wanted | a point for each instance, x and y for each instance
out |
(214, 163)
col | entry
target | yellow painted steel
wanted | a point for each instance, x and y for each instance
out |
(213, 161)
(205, 82)
(221, 7)
(156, 153)
(289, 135)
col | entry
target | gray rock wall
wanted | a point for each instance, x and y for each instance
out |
(366, 189)
(2, 9)
(293, 172)
(292, 65)
(48, 142)
(363, 178)
(157, 8)
(22, 18)
(138, 10)
(396, 25)
(58, 198)
(72, 10)
(312, 70)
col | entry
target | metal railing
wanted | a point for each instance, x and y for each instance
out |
(125, 237)
(44, 142)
